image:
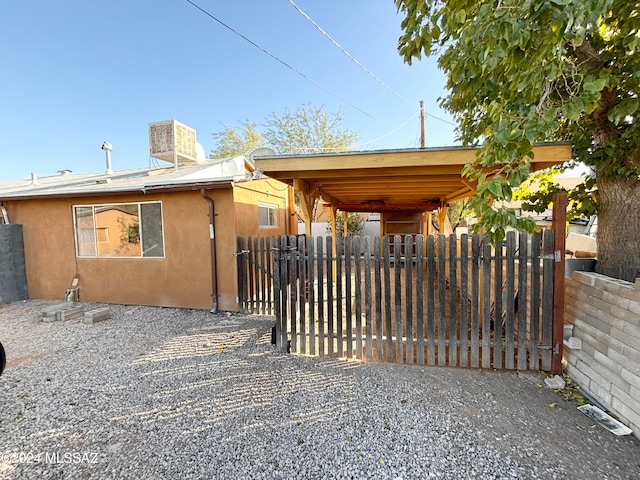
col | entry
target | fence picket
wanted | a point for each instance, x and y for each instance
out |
(522, 302)
(534, 337)
(250, 259)
(442, 302)
(453, 301)
(339, 297)
(397, 270)
(498, 317)
(319, 265)
(357, 265)
(311, 295)
(293, 291)
(254, 246)
(378, 282)
(387, 298)
(547, 298)
(330, 312)
(475, 292)
(509, 362)
(420, 299)
(486, 303)
(277, 287)
(302, 282)
(348, 258)
(464, 300)
(431, 301)
(267, 250)
(408, 284)
(240, 264)
(367, 299)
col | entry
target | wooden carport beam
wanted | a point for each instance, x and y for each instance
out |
(467, 191)
(307, 202)
(442, 218)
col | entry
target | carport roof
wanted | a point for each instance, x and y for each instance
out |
(420, 179)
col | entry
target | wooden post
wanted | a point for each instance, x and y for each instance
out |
(442, 218)
(307, 202)
(559, 226)
(345, 230)
(291, 227)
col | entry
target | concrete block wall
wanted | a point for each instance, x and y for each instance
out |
(13, 276)
(605, 313)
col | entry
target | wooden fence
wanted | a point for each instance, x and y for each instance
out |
(434, 301)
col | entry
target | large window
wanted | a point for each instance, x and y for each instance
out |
(267, 215)
(119, 230)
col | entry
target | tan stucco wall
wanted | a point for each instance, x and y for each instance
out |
(181, 279)
(248, 194)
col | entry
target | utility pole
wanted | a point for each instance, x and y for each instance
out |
(422, 139)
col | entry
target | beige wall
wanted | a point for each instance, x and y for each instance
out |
(248, 194)
(181, 279)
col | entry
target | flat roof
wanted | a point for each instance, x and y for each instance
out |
(212, 173)
(417, 179)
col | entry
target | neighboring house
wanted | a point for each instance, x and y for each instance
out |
(143, 236)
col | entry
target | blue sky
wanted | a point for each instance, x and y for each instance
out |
(76, 73)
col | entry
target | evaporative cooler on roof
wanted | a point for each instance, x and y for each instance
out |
(172, 141)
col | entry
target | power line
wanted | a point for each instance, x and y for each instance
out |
(277, 59)
(390, 133)
(349, 55)
(360, 64)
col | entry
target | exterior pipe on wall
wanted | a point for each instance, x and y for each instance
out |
(5, 215)
(212, 237)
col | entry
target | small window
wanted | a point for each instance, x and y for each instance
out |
(119, 230)
(267, 215)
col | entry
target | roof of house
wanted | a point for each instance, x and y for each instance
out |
(213, 173)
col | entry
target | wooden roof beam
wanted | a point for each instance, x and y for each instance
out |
(382, 207)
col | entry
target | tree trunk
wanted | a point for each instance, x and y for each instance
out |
(619, 228)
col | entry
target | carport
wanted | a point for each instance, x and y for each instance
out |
(418, 180)
(405, 297)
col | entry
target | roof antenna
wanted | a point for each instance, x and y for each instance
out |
(106, 146)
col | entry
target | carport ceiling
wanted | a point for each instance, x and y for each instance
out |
(388, 180)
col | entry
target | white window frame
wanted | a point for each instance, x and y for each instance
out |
(270, 207)
(95, 230)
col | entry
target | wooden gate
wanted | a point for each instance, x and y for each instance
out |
(428, 301)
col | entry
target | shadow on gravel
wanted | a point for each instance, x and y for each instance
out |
(174, 393)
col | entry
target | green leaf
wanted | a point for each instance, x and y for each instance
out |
(435, 32)
(595, 85)
(495, 188)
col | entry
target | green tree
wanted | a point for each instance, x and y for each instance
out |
(355, 224)
(537, 193)
(308, 129)
(525, 71)
(237, 140)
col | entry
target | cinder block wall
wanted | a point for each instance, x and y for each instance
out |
(605, 313)
(13, 277)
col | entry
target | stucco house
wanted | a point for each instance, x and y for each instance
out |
(163, 236)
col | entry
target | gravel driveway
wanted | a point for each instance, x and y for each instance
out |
(159, 393)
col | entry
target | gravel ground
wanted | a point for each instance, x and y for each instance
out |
(174, 393)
